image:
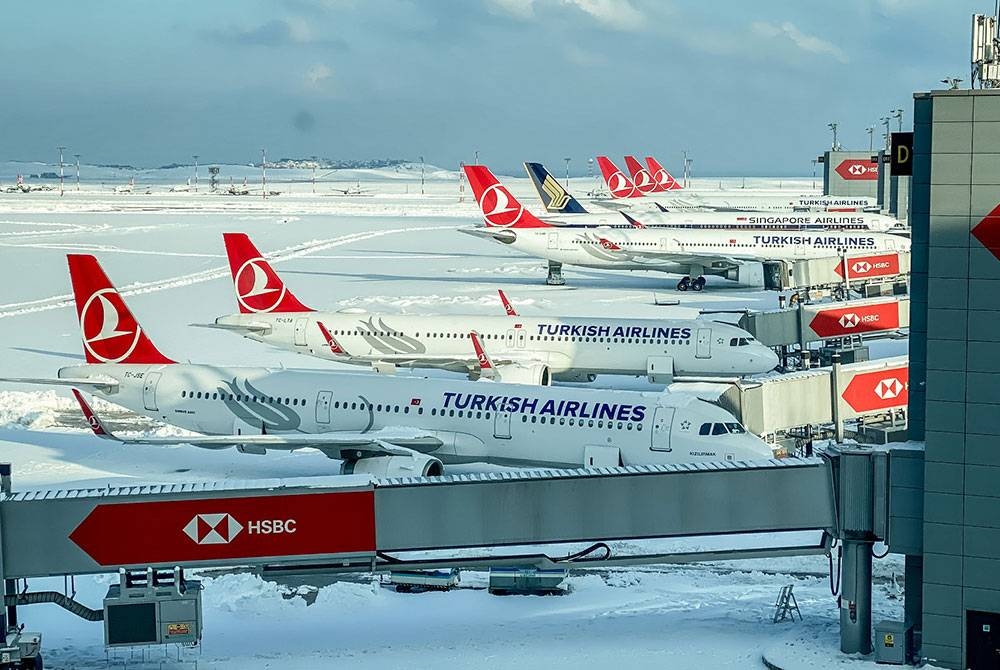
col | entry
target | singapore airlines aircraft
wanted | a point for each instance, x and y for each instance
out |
(563, 208)
(389, 426)
(525, 349)
(736, 254)
(655, 182)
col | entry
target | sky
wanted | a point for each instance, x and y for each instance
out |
(747, 88)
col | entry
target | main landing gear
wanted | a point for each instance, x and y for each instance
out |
(694, 285)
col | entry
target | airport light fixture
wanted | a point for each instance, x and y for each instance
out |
(567, 172)
(195, 157)
(833, 126)
(898, 115)
(263, 174)
(61, 150)
(952, 82)
(422, 172)
(885, 121)
(871, 137)
(77, 157)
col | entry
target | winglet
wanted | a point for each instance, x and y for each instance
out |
(486, 367)
(509, 308)
(635, 223)
(93, 420)
(332, 343)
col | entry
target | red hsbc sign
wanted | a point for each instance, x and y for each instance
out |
(181, 531)
(987, 232)
(876, 265)
(882, 389)
(853, 169)
(855, 320)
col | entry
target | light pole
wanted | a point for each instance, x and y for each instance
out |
(61, 149)
(567, 172)
(590, 174)
(195, 157)
(814, 162)
(476, 152)
(898, 115)
(422, 172)
(871, 137)
(833, 126)
(77, 157)
(263, 174)
(952, 82)
(886, 120)
(314, 179)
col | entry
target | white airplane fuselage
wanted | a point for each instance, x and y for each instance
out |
(671, 250)
(570, 348)
(509, 424)
(814, 222)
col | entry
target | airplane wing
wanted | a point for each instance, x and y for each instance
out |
(387, 442)
(106, 384)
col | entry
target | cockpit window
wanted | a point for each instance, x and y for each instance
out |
(706, 429)
(719, 429)
(735, 428)
(740, 341)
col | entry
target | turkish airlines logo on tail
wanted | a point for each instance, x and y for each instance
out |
(499, 207)
(110, 334)
(644, 181)
(620, 186)
(258, 289)
(213, 528)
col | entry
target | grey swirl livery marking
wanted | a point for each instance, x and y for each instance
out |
(389, 344)
(246, 404)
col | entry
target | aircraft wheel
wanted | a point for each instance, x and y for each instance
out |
(698, 284)
(684, 284)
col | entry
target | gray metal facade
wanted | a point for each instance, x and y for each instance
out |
(954, 361)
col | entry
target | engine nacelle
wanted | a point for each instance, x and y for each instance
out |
(420, 465)
(578, 377)
(537, 375)
(747, 274)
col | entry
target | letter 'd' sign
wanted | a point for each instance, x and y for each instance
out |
(901, 155)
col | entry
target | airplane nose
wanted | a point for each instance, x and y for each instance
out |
(771, 360)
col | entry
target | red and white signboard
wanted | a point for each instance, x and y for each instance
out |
(857, 319)
(855, 169)
(878, 390)
(183, 531)
(874, 265)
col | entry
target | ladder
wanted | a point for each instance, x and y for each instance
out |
(786, 605)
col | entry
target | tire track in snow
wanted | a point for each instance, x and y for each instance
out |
(288, 253)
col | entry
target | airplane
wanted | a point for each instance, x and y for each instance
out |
(126, 188)
(526, 349)
(667, 193)
(379, 425)
(562, 208)
(21, 186)
(735, 254)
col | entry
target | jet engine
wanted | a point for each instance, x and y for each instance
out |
(419, 465)
(747, 274)
(538, 374)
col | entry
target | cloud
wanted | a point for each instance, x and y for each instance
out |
(809, 43)
(291, 31)
(615, 14)
(319, 77)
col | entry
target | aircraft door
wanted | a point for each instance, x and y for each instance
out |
(501, 425)
(300, 332)
(521, 338)
(510, 339)
(703, 347)
(323, 401)
(149, 390)
(553, 240)
(659, 437)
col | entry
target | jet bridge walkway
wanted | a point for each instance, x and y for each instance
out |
(353, 523)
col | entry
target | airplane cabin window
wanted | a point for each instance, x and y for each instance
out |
(706, 429)
(406, 409)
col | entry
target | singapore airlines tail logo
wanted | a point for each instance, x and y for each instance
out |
(558, 198)
(110, 334)
(258, 289)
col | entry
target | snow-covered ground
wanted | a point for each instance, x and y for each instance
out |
(396, 250)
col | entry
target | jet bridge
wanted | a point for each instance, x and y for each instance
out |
(353, 523)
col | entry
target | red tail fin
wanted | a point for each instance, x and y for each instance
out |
(110, 332)
(500, 209)
(619, 185)
(640, 176)
(258, 286)
(509, 308)
(664, 180)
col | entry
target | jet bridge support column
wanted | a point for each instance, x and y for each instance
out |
(856, 597)
(8, 614)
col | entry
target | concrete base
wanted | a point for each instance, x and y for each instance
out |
(801, 655)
